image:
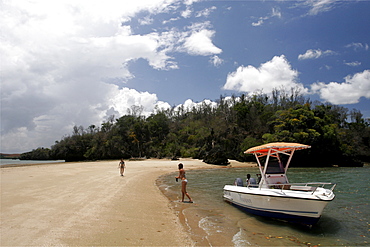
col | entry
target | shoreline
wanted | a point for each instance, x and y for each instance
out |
(88, 203)
(32, 164)
(233, 163)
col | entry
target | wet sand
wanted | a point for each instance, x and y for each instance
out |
(90, 204)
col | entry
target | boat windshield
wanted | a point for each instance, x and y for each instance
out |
(275, 167)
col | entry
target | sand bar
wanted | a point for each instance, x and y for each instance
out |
(89, 204)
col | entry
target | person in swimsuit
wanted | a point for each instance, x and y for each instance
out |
(122, 166)
(184, 182)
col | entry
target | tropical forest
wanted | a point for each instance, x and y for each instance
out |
(216, 132)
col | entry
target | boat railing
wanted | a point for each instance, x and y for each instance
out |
(311, 186)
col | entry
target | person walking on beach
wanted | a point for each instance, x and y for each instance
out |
(121, 166)
(184, 182)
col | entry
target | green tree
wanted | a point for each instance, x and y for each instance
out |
(224, 131)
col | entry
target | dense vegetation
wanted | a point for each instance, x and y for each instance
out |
(219, 132)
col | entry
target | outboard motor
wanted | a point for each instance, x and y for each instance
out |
(238, 182)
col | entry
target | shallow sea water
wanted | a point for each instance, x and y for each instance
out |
(213, 222)
(23, 162)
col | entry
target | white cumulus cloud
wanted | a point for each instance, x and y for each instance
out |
(190, 104)
(273, 74)
(200, 43)
(206, 12)
(348, 92)
(187, 13)
(353, 64)
(275, 13)
(358, 46)
(318, 6)
(65, 63)
(216, 61)
(314, 54)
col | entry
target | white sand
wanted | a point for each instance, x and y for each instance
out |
(90, 204)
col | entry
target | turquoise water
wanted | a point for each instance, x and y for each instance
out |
(211, 221)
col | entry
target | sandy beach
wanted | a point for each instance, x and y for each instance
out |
(90, 204)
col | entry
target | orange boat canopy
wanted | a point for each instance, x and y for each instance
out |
(276, 147)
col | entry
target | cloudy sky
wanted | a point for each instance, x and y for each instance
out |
(66, 63)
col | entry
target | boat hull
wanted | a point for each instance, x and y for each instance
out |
(297, 207)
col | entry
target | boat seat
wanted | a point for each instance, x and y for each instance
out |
(239, 182)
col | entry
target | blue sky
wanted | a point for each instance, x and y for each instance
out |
(69, 63)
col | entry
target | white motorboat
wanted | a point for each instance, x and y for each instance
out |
(274, 196)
